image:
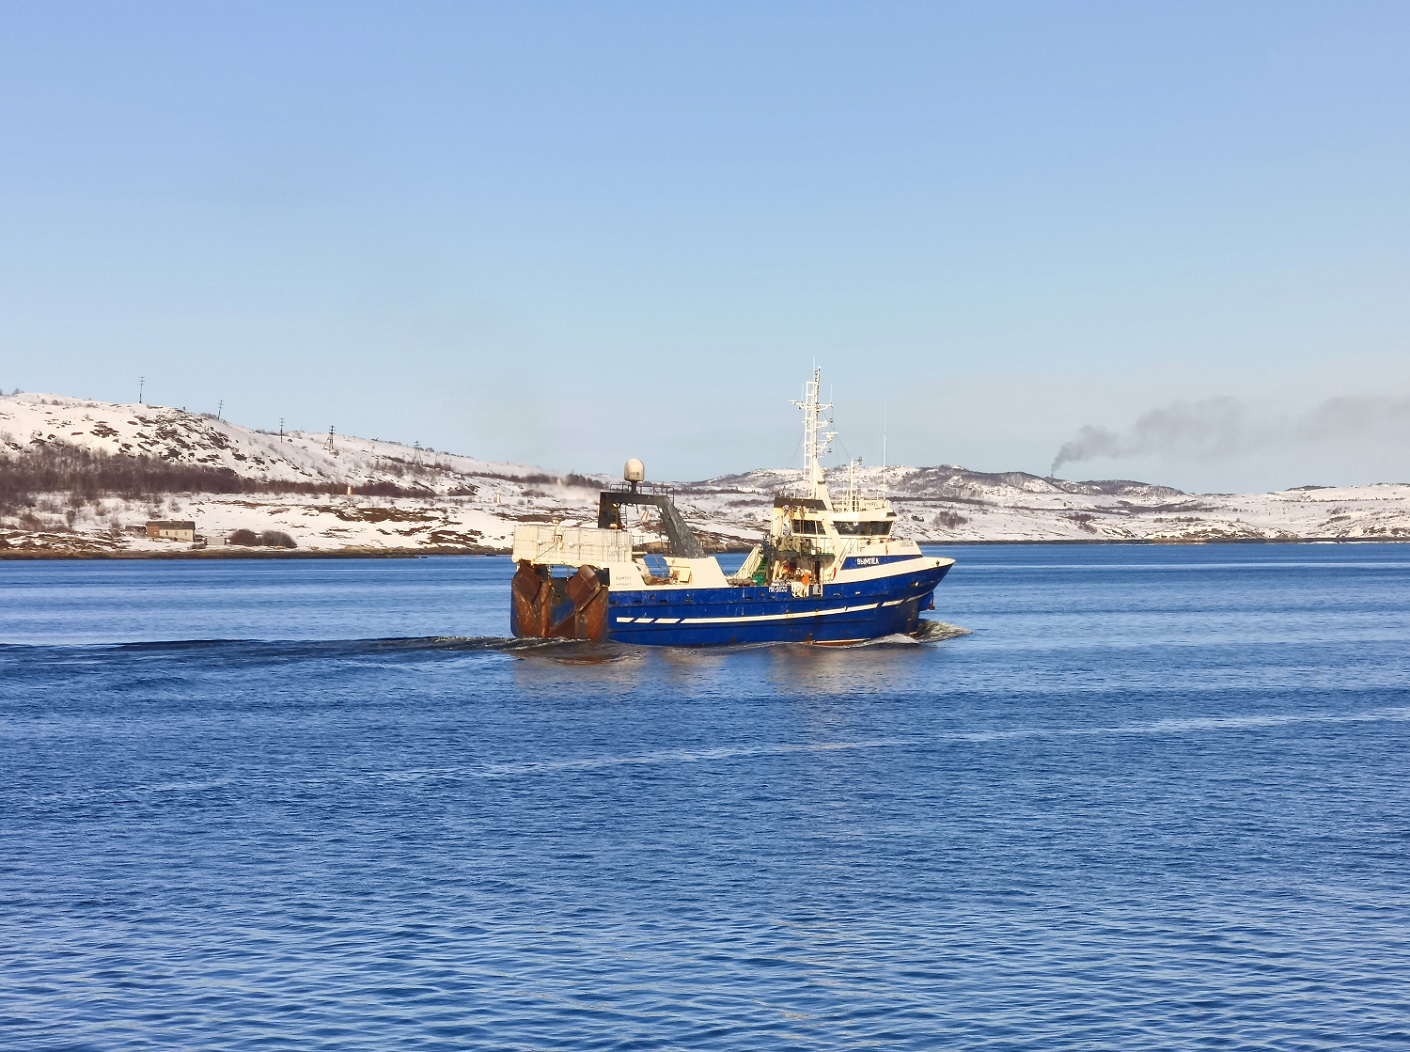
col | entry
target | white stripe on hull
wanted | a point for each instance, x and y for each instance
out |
(747, 618)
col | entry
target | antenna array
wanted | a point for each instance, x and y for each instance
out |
(816, 439)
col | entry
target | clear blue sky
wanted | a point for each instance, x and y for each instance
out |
(570, 233)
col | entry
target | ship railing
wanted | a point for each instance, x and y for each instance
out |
(746, 573)
(552, 545)
(806, 544)
(854, 502)
(650, 489)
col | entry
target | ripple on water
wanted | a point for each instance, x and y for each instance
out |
(1132, 811)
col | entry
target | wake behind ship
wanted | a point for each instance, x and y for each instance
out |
(827, 571)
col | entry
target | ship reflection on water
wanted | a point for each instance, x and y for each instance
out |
(881, 664)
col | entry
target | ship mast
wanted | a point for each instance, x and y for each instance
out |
(815, 438)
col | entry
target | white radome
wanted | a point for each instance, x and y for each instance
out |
(635, 471)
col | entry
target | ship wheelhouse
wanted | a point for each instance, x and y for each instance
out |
(848, 526)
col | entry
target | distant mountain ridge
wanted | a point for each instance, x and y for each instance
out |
(76, 477)
(951, 480)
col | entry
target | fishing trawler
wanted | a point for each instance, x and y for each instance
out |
(829, 570)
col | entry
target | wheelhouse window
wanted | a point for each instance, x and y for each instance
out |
(881, 528)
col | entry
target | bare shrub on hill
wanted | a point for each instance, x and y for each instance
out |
(87, 475)
(948, 520)
(56, 467)
(266, 539)
(539, 478)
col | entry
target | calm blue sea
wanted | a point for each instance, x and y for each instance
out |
(1159, 799)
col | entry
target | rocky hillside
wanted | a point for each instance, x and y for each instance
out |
(80, 477)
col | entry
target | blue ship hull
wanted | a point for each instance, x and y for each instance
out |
(843, 613)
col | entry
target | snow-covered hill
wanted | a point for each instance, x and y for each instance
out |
(402, 497)
(949, 503)
(409, 499)
(176, 436)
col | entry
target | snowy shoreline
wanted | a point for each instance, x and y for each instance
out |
(81, 479)
(28, 544)
(58, 553)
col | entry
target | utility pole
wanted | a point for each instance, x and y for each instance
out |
(281, 430)
(141, 384)
(220, 408)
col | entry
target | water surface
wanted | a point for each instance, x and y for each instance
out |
(1157, 800)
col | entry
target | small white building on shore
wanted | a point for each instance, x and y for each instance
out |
(171, 530)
